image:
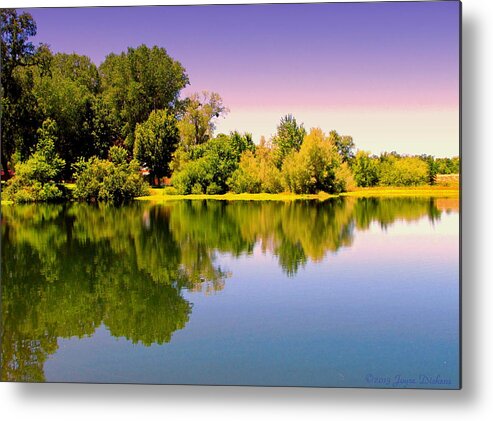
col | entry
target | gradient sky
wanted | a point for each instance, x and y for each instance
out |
(385, 73)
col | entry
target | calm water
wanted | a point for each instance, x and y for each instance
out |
(342, 293)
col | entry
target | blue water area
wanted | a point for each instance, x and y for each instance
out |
(343, 293)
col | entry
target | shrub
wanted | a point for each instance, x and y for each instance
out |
(170, 191)
(113, 180)
(190, 177)
(37, 179)
(197, 189)
(246, 178)
(208, 167)
(213, 188)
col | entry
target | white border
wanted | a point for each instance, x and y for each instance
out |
(95, 402)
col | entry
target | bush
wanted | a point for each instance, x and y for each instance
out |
(37, 179)
(256, 173)
(170, 191)
(213, 188)
(190, 177)
(208, 167)
(197, 189)
(112, 180)
(246, 178)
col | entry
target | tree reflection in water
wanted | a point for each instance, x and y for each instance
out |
(68, 269)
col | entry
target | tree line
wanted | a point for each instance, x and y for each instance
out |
(66, 119)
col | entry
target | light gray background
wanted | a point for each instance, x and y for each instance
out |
(475, 401)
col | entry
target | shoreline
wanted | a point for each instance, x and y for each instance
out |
(423, 191)
(157, 195)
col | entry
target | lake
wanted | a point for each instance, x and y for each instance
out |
(346, 293)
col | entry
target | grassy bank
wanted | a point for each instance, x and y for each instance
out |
(157, 195)
(424, 191)
(448, 188)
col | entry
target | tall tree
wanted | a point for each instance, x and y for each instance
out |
(137, 82)
(155, 141)
(345, 146)
(68, 94)
(37, 178)
(18, 107)
(198, 120)
(288, 138)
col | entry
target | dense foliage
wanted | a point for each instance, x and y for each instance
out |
(200, 112)
(38, 178)
(313, 168)
(207, 168)
(256, 173)
(112, 179)
(155, 141)
(288, 138)
(62, 116)
(137, 82)
(448, 165)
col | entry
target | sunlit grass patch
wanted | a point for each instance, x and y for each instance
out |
(158, 195)
(155, 196)
(427, 191)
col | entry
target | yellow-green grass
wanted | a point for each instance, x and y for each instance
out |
(157, 195)
(448, 180)
(447, 186)
(422, 191)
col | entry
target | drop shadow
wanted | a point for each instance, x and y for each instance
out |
(292, 397)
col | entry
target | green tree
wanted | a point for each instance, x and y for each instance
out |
(345, 146)
(209, 166)
(199, 116)
(68, 94)
(137, 82)
(403, 171)
(288, 138)
(448, 165)
(256, 173)
(155, 141)
(246, 178)
(37, 178)
(432, 168)
(313, 168)
(365, 170)
(18, 54)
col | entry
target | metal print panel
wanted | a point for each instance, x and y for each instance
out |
(257, 195)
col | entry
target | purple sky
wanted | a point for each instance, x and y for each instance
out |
(387, 73)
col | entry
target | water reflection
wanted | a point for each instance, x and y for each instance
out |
(68, 269)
